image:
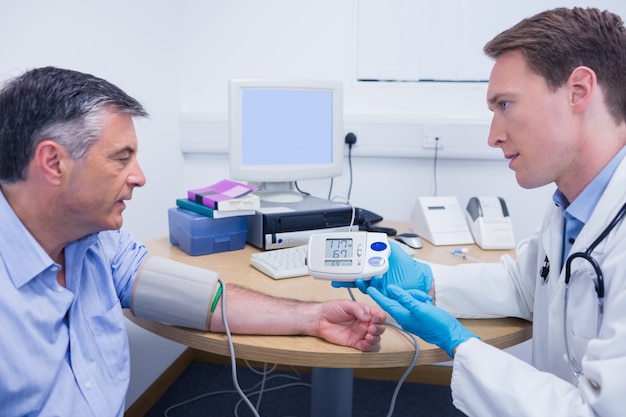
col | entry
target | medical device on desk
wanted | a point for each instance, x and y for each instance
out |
(490, 223)
(351, 255)
(348, 255)
(440, 220)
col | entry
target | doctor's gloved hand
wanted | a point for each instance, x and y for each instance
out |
(404, 272)
(414, 311)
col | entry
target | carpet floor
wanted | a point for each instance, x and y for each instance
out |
(207, 389)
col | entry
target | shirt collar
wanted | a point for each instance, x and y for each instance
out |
(582, 207)
(22, 255)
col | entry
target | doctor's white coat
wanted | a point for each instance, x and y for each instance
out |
(489, 382)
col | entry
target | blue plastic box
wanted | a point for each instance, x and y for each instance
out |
(197, 234)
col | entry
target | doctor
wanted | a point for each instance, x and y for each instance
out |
(557, 91)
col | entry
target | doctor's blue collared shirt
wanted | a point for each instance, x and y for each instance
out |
(64, 351)
(577, 213)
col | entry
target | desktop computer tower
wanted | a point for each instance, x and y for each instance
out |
(283, 225)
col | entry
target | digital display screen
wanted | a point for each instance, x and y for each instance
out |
(338, 262)
(298, 123)
(338, 248)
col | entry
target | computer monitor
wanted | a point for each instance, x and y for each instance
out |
(282, 131)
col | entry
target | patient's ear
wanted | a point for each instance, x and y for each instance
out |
(50, 161)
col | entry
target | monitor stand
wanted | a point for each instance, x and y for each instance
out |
(278, 192)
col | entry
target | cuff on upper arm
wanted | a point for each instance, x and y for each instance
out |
(175, 293)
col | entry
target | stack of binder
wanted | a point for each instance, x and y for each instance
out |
(223, 199)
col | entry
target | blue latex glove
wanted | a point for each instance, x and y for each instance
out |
(404, 272)
(414, 311)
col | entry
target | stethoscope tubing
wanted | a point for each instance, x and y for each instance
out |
(599, 284)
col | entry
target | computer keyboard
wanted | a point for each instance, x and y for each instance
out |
(281, 263)
(365, 217)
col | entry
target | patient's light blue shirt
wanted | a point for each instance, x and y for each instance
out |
(64, 351)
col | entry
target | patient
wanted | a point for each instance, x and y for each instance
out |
(68, 165)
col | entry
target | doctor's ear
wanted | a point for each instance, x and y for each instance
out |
(582, 83)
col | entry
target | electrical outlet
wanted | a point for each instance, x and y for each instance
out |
(433, 137)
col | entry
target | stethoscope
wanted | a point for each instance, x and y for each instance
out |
(599, 285)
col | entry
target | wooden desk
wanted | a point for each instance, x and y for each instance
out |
(394, 350)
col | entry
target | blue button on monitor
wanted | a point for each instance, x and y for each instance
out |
(378, 246)
(376, 261)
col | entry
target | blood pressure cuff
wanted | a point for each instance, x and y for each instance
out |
(175, 293)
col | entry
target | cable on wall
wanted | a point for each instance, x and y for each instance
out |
(350, 140)
(435, 159)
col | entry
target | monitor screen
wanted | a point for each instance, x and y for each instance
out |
(282, 131)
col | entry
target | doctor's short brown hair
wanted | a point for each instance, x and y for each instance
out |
(557, 41)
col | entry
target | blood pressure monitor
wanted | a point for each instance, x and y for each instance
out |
(346, 256)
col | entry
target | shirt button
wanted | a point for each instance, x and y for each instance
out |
(59, 289)
(88, 385)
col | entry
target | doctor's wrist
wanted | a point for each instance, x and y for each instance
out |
(454, 349)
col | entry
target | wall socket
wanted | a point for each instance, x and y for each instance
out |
(433, 137)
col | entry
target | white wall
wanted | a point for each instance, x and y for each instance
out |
(176, 58)
(317, 40)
